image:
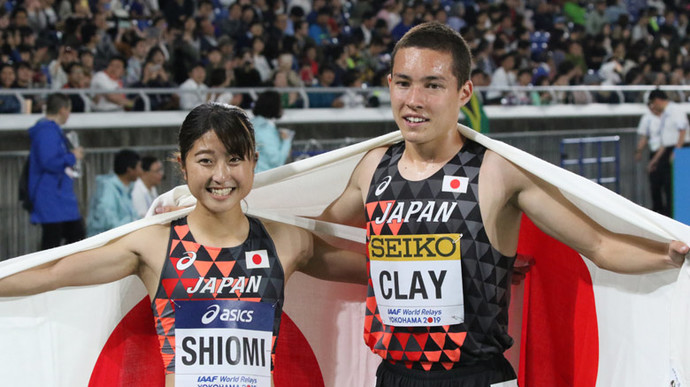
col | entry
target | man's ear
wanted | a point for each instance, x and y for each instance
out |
(256, 157)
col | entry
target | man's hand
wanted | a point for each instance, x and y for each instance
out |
(651, 167)
(678, 252)
(78, 152)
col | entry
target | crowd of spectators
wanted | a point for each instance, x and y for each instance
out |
(197, 44)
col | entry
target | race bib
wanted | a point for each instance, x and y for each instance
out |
(417, 279)
(223, 343)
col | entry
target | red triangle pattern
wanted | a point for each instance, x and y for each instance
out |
(190, 246)
(173, 246)
(182, 231)
(394, 226)
(371, 207)
(225, 267)
(169, 285)
(160, 306)
(213, 252)
(202, 267)
(189, 283)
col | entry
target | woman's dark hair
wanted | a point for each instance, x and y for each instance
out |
(230, 124)
(268, 105)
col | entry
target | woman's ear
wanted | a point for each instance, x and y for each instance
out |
(182, 168)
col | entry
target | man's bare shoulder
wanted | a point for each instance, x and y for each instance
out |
(501, 174)
(366, 167)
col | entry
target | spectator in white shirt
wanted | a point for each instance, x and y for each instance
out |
(111, 79)
(663, 128)
(195, 90)
(503, 76)
(145, 191)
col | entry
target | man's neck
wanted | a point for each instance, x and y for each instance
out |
(54, 118)
(124, 179)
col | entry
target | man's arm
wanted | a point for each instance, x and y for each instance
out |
(641, 144)
(334, 264)
(558, 217)
(348, 208)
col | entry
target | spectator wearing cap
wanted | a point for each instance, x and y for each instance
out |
(111, 79)
(194, 90)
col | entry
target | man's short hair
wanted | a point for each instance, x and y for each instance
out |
(147, 162)
(57, 101)
(124, 160)
(439, 37)
(657, 94)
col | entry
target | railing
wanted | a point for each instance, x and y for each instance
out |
(591, 153)
(18, 236)
(305, 91)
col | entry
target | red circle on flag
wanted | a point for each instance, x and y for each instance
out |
(430, 319)
(256, 259)
(455, 184)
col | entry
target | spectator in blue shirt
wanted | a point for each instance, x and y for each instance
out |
(111, 204)
(9, 103)
(320, 30)
(328, 99)
(272, 144)
(51, 188)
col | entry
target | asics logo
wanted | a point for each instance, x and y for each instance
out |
(383, 185)
(223, 314)
(186, 261)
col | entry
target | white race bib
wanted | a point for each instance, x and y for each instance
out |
(417, 279)
(223, 342)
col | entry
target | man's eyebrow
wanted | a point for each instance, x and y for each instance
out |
(427, 78)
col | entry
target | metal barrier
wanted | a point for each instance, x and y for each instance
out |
(591, 152)
(18, 236)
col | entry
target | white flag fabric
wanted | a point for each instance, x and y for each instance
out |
(58, 338)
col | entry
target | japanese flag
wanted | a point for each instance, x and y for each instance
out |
(257, 259)
(455, 184)
(581, 326)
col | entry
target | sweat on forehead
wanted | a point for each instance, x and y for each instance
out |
(229, 123)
